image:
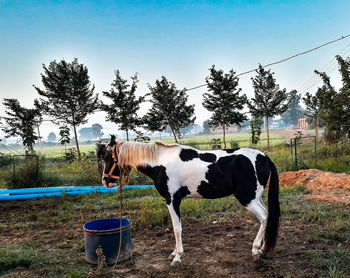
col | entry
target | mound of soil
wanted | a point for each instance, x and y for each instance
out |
(325, 186)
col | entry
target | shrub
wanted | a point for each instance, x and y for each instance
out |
(27, 173)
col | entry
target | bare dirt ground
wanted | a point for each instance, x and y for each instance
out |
(212, 250)
(325, 186)
(221, 249)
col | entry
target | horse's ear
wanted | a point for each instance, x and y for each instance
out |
(112, 143)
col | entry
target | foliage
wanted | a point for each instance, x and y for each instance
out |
(224, 99)
(125, 105)
(331, 107)
(88, 133)
(169, 108)
(70, 154)
(187, 129)
(21, 122)
(215, 144)
(255, 130)
(290, 117)
(68, 96)
(313, 108)
(51, 137)
(5, 159)
(206, 127)
(344, 91)
(140, 137)
(64, 135)
(268, 99)
(28, 172)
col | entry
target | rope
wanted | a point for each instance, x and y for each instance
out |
(121, 218)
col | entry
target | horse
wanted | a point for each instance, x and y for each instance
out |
(182, 172)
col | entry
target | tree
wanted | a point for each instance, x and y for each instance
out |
(68, 96)
(52, 137)
(224, 99)
(332, 106)
(187, 129)
(294, 111)
(64, 136)
(255, 127)
(93, 132)
(344, 69)
(313, 108)
(268, 99)
(125, 104)
(169, 107)
(206, 126)
(21, 122)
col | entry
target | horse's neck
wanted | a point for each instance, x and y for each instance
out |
(137, 155)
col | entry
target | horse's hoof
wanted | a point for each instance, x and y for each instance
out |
(175, 263)
(256, 257)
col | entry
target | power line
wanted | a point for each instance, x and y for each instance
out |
(283, 60)
(328, 67)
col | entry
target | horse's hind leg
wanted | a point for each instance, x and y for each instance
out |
(257, 207)
(174, 209)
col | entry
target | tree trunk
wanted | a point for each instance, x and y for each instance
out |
(224, 136)
(267, 133)
(76, 142)
(174, 135)
(39, 136)
(316, 127)
(127, 135)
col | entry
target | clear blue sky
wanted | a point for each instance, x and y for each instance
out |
(177, 39)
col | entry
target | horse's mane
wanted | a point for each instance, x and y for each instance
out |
(135, 153)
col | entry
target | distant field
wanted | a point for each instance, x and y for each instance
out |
(199, 141)
(59, 151)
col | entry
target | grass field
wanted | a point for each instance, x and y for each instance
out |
(44, 238)
(243, 140)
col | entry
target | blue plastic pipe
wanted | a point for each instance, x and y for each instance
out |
(32, 193)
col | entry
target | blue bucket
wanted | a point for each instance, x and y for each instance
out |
(104, 234)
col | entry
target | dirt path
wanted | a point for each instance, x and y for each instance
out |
(215, 250)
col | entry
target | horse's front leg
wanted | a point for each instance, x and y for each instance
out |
(174, 209)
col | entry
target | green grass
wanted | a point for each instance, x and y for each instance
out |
(327, 226)
(14, 256)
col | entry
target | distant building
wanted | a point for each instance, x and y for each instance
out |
(232, 128)
(302, 123)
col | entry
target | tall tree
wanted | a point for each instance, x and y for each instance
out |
(89, 133)
(206, 126)
(187, 129)
(294, 111)
(169, 107)
(268, 99)
(52, 137)
(21, 122)
(344, 69)
(125, 104)
(68, 96)
(332, 109)
(224, 100)
(313, 108)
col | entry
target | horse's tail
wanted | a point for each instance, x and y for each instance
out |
(273, 211)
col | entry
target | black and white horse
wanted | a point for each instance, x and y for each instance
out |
(181, 171)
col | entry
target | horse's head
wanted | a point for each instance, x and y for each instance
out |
(109, 153)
